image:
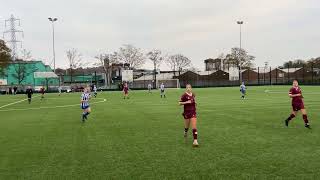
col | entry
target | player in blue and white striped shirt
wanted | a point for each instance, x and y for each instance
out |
(85, 106)
(243, 90)
(95, 91)
(162, 91)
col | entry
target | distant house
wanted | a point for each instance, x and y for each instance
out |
(249, 75)
(204, 78)
(116, 70)
(213, 64)
(147, 77)
(276, 75)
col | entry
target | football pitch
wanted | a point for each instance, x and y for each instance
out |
(142, 137)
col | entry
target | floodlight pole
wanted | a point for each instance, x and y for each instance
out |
(52, 20)
(240, 73)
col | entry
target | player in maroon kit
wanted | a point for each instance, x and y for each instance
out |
(189, 113)
(125, 91)
(297, 104)
(42, 92)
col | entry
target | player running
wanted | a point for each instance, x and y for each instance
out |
(42, 90)
(85, 106)
(149, 88)
(243, 90)
(60, 90)
(297, 104)
(189, 113)
(162, 91)
(125, 91)
(29, 93)
(95, 91)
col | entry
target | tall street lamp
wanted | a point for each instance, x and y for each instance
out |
(240, 73)
(52, 20)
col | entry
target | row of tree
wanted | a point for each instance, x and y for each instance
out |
(134, 57)
(299, 63)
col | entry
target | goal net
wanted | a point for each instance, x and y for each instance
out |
(169, 83)
(44, 75)
(127, 75)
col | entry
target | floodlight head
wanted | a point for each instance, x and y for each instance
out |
(240, 22)
(52, 19)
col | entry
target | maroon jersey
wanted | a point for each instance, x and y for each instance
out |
(189, 109)
(297, 102)
(125, 89)
(294, 91)
(42, 90)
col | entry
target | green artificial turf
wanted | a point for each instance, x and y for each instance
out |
(142, 137)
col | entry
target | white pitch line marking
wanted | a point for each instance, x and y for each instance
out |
(53, 107)
(16, 102)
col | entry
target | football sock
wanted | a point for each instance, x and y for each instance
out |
(195, 134)
(186, 129)
(291, 117)
(305, 118)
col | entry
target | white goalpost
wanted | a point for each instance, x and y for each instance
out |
(127, 75)
(45, 75)
(169, 83)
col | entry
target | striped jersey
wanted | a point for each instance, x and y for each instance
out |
(162, 87)
(242, 87)
(85, 98)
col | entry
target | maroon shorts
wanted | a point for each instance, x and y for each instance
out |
(297, 106)
(189, 114)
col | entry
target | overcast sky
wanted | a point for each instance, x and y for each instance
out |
(273, 31)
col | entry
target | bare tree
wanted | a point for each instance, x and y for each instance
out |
(74, 59)
(178, 62)
(156, 57)
(22, 69)
(105, 61)
(239, 58)
(131, 55)
(26, 55)
(193, 69)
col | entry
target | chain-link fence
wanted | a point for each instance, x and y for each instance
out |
(273, 76)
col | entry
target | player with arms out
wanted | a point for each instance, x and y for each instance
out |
(190, 116)
(85, 106)
(162, 91)
(125, 91)
(29, 93)
(243, 90)
(295, 94)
